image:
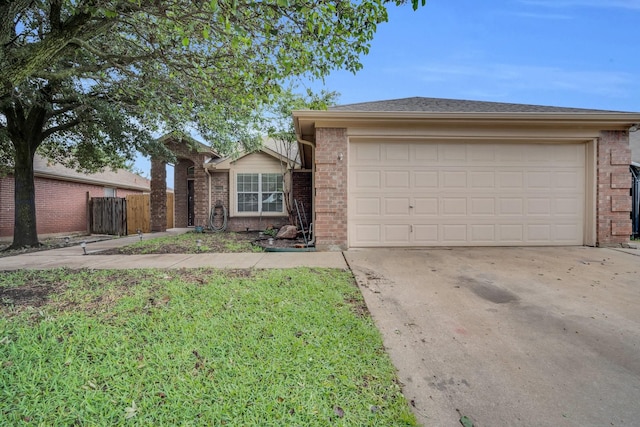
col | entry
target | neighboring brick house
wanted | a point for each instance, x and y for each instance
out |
(248, 187)
(440, 172)
(62, 194)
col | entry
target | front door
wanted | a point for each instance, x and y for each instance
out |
(190, 204)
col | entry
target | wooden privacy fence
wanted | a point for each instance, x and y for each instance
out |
(120, 216)
(139, 212)
(108, 215)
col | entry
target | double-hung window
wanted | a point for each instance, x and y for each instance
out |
(259, 192)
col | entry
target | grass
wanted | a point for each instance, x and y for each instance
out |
(192, 347)
(187, 243)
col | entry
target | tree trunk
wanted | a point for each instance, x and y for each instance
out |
(24, 226)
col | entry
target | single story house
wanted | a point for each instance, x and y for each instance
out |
(62, 194)
(440, 172)
(242, 192)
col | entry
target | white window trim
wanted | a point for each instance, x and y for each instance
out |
(233, 195)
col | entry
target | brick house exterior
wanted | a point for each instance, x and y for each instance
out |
(62, 194)
(205, 181)
(330, 139)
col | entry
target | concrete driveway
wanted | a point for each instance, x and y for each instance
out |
(510, 336)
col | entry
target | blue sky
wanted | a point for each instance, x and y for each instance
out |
(574, 53)
(569, 53)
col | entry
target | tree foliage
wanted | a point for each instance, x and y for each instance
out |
(88, 83)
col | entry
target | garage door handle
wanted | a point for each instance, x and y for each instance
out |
(411, 206)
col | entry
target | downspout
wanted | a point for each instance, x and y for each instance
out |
(311, 242)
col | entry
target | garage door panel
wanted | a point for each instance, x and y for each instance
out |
(538, 232)
(454, 153)
(567, 180)
(397, 233)
(483, 206)
(510, 153)
(425, 153)
(454, 233)
(479, 153)
(482, 180)
(511, 206)
(397, 206)
(454, 179)
(397, 179)
(367, 206)
(366, 179)
(426, 234)
(425, 206)
(454, 206)
(365, 153)
(565, 232)
(483, 233)
(510, 179)
(428, 194)
(425, 179)
(396, 152)
(367, 234)
(511, 233)
(538, 206)
(568, 206)
(538, 180)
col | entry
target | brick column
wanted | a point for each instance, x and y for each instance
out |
(614, 181)
(201, 196)
(331, 161)
(158, 195)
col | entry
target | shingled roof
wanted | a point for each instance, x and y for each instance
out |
(121, 178)
(441, 105)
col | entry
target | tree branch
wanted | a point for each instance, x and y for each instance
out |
(65, 126)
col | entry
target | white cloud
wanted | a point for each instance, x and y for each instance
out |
(507, 78)
(608, 4)
(555, 16)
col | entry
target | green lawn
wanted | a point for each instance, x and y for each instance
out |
(192, 347)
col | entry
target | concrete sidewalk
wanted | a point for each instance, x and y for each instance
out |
(73, 257)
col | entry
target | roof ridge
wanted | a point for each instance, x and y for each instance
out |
(449, 105)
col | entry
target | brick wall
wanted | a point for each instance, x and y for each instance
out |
(256, 223)
(613, 221)
(180, 191)
(6, 206)
(61, 206)
(301, 190)
(187, 157)
(158, 197)
(331, 188)
(220, 192)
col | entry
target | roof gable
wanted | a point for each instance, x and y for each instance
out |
(226, 163)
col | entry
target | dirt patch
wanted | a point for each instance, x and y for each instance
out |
(33, 295)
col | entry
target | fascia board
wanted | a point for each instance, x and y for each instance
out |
(306, 121)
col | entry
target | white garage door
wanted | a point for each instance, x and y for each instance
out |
(473, 194)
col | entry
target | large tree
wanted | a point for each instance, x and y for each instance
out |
(88, 82)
